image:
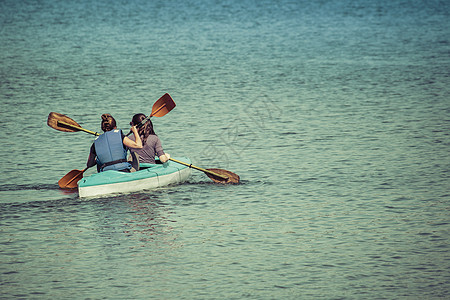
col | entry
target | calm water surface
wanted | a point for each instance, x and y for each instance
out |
(336, 115)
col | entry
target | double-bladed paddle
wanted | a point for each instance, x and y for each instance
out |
(160, 108)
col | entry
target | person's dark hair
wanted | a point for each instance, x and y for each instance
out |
(146, 129)
(108, 122)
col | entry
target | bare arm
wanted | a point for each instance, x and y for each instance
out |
(163, 157)
(91, 160)
(133, 144)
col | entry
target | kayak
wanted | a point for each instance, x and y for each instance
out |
(149, 176)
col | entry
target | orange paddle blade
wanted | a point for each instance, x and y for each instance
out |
(70, 180)
(162, 106)
(231, 177)
(55, 118)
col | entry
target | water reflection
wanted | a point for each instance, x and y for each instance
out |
(138, 220)
(146, 219)
(69, 192)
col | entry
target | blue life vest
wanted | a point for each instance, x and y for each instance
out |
(111, 153)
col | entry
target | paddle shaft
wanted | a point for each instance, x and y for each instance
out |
(78, 128)
(86, 130)
(200, 169)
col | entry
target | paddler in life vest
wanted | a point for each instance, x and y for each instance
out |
(109, 150)
(151, 143)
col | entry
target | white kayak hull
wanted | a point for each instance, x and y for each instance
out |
(115, 182)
